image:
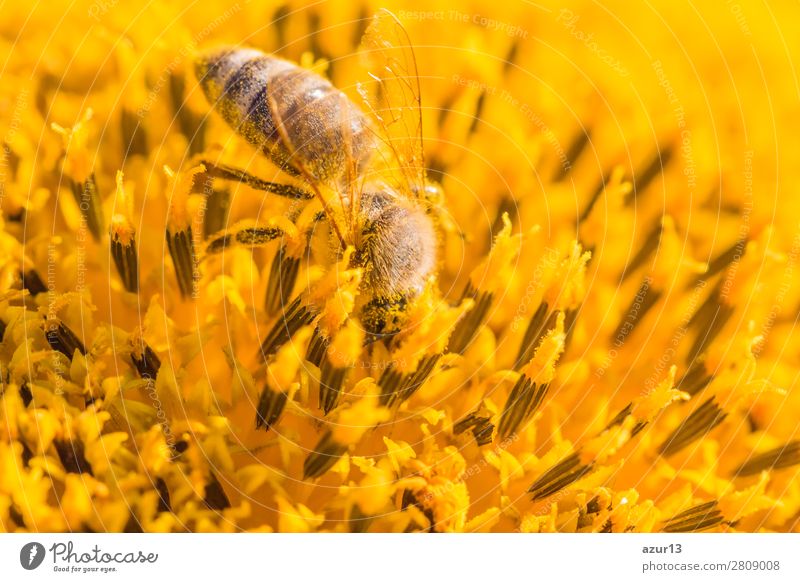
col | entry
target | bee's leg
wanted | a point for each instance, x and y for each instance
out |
(285, 265)
(224, 172)
(244, 235)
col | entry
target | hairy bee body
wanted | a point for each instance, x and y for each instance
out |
(240, 84)
(394, 244)
(393, 234)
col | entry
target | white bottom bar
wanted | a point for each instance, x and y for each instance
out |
(406, 557)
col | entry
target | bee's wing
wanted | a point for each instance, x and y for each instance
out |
(328, 140)
(392, 95)
(300, 159)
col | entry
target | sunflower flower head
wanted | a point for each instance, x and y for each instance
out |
(601, 336)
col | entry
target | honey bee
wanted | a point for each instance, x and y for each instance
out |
(363, 165)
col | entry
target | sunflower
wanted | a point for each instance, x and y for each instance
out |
(607, 345)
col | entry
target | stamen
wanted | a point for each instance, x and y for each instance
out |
(698, 518)
(575, 149)
(282, 277)
(62, 339)
(536, 329)
(123, 251)
(524, 400)
(476, 116)
(601, 187)
(695, 379)
(468, 326)
(270, 408)
(134, 136)
(16, 215)
(782, 457)
(26, 394)
(564, 473)
(317, 347)
(330, 385)
(71, 454)
(646, 249)
(181, 249)
(409, 498)
(622, 415)
(132, 525)
(178, 449)
(280, 20)
(297, 315)
(145, 360)
(481, 427)
(323, 457)
(78, 170)
(507, 207)
(87, 198)
(397, 387)
(358, 522)
(712, 317)
(646, 297)
(33, 282)
(588, 514)
(643, 179)
(721, 261)
(164, 503)
(218, 206)
(570, 319)
(180, 238)
(511, 56)
(11, 158)
(123, 239)
(192, 126)
(707, 416)
(531, 388)
(214, 495)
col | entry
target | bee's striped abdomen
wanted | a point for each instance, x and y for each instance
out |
(314, 114)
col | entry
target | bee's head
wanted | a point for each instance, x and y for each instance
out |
(382, 318)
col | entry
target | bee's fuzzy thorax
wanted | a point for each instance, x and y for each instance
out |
(398, 245)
